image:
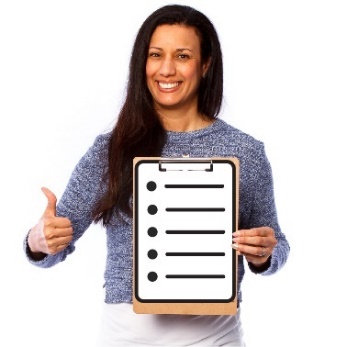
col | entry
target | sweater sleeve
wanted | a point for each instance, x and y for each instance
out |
(83, 190)
(263, 213)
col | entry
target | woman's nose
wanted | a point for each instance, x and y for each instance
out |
(167, 67)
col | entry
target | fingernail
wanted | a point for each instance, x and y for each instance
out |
(236, 233)
(235, 246)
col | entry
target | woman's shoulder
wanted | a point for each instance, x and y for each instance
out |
(229, 134)
(100, 144)
(97, 153)
(102, 140)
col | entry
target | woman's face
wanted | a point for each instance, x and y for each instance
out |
(174, 68)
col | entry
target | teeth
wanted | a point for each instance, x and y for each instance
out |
(168, 85)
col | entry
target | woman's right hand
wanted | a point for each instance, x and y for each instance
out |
(51, 234)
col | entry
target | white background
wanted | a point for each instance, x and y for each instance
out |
(63, 69)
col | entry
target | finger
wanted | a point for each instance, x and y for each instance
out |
(262, 231)
(251, 240)
(55, 233)
(57, 249)
(51, 207)
(57, 222)
(235, 246)
(58, 243)
(64, 232)
(257, 251)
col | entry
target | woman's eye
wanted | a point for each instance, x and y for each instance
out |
(153, 54)
(183, 56)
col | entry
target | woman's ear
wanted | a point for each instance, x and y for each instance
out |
(205, 67)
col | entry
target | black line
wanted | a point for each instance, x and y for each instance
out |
(194, 185)
(195, 254)
(195, 209)
(195, 276)
(195, 232)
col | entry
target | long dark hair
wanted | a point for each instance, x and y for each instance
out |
(138, 131)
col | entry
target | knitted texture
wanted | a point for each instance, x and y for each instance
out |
(85, 187)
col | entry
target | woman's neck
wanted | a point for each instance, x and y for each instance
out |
(173, 121)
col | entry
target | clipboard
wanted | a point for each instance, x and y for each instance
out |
(185, 211)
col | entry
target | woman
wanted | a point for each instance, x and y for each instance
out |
(174, 96)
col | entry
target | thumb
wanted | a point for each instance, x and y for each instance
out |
(51, 207)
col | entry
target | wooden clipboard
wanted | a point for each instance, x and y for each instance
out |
(185, 211)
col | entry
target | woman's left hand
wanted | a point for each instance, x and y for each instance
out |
(255, 244)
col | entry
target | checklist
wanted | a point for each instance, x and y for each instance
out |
(185, 211)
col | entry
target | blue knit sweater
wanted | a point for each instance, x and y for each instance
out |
(256, 200)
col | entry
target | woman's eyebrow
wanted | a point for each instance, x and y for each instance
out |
(177, 49)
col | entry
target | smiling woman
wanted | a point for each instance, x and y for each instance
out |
(174, 96)
(174, 69)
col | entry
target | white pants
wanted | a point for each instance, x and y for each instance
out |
(120, 326)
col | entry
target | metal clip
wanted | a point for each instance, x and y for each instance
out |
(188, 164)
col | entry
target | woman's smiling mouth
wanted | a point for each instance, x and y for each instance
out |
(167, 86)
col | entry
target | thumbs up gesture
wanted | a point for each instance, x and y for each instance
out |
(51, 234)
